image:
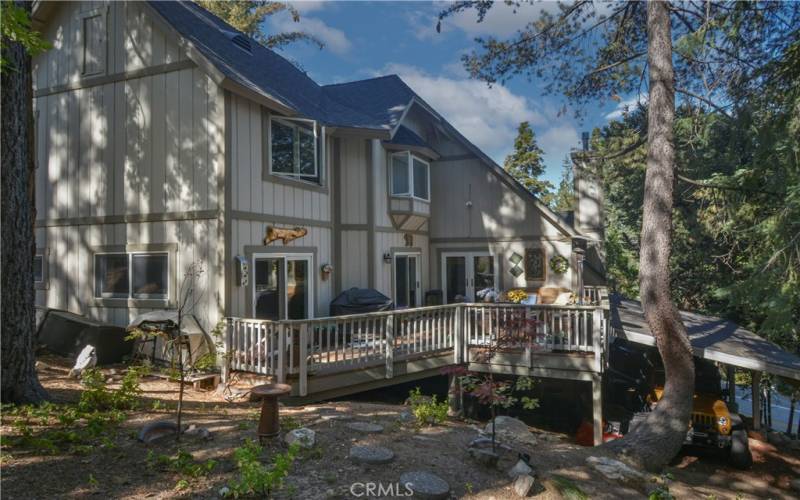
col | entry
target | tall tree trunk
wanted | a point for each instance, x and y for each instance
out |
(19, 381)
(658, 439)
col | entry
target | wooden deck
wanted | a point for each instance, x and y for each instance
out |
(329, 357)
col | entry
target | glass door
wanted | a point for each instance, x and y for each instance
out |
(406, 280)
(465, 275)
(282, 287)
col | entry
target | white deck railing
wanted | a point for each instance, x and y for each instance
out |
(321, 345)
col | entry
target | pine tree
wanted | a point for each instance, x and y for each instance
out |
(564, 199)
(525, 164)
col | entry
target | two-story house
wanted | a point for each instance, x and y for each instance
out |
(164, 137)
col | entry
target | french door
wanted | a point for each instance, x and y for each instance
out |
(464, 275)
(406, 280)
(282, 286)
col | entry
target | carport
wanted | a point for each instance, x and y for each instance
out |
(714, 339)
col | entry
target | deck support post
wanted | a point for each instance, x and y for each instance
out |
(281, 354)
(458, 336)
(453, 394)
(756, 388)
(597, 408)
(597, 339)
(303, 361)
(228, 350)
(390, 346)
(731, 374)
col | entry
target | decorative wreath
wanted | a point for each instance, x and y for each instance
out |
(559, 264)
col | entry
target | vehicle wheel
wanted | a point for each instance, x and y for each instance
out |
(740, 456)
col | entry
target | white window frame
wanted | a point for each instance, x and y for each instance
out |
(418, 281)
(308, 257)
(102, 13)
(130, 296)
(287, 122)
(410, 175)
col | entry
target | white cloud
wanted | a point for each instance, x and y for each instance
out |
(501, 21)
(334, 39)
(626, 106)
(488, 117)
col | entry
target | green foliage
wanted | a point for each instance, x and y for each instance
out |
(250, 16)
(79, 428)
(182, 463)
(15, 26)
(427, 410)
(525, 164)
(289, 423)
(568, 489)
(661, 491)
(254, 477)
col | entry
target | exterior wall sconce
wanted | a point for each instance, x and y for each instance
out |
(387, 258)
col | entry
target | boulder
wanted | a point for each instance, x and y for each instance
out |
(795, 484)
(523, 485)
(778, 439)
(157, 431)
(519, 469)
(198, 432)
(424, 484)
(511, 430)
(304, 437)
(616, 470)
(485, 457)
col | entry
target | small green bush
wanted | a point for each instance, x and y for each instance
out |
(256, 478)
(426, 409)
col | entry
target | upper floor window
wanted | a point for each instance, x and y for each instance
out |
(410, 176)
(293, 148)
(93, 38)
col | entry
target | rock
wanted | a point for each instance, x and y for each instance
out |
(487, 458)
(523, 485)
(405, 416)
(425, 485)
(224, 491)
(795, 484)
(511, 430)
(519, 469)
(303, 436)
(86, 359)
(365, 427)
(156, 431)
(616, 470)
(198, 432)
(371, 454)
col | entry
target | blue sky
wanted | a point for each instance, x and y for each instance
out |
(367, 39)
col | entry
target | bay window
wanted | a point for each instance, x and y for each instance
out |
(410, 176)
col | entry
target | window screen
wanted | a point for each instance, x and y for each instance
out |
(150, 273)
(111, 275)
(282, 148)
(38, 268)
(420, 179)
(400, 181)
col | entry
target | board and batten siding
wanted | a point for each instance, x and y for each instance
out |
(250, 192)
(387, 242)
(141, 141)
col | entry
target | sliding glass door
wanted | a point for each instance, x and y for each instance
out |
(465, 275)
(406, 280)
(282, 286)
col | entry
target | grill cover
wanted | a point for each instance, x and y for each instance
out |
(359, 301)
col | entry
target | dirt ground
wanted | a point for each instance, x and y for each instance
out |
(118, 469)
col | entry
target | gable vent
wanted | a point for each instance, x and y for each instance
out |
(239, 40)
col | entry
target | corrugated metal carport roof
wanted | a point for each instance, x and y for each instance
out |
(712, 338)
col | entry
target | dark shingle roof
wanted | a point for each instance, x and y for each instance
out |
(406, 137)
(356, 104)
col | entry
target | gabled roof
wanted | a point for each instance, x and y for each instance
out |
(377, 104)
